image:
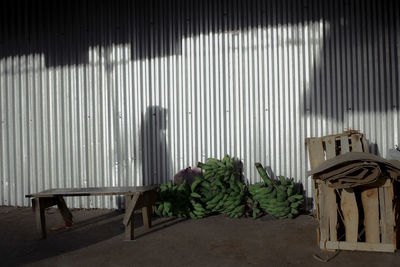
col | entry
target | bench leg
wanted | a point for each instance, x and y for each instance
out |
(39, 208)
(130, 203)
(129, 233)
(146, 215)
(65, 213)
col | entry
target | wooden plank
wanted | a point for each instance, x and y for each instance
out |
(330, 199)
(370, 203)
(356, 145)
(350, 214)
(396, 216)
(316, 156)
(146, 216)
(344, 144)
(386, 228)
(130, 207)
(130, 225)
(348, 200)
(359, 246)
(146, 203)
(324, 217)
(93, 191)
(40, 216)
(330, 145)
(316, 152)
(364, 144)
(65, 213)
(388, 235)
(331, 208)
(382, 211)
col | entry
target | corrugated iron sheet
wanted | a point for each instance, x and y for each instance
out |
(107, 93)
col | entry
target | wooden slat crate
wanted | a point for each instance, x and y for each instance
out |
(361, 218)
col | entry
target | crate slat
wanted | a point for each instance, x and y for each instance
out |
(350, 214)
(356, 145)
(387, 210)
(360, 246)
(316, 156)
(349, 202)
(344, 144)
(323, 214)
(316, 152)
(330, 199)
(370, 203)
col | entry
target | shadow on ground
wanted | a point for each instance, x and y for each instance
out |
(97, 240)
(20, 244)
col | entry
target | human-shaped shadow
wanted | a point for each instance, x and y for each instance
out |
(156, 159)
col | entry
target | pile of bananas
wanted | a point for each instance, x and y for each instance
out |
(199, 195)
(172, 200)
(276, 197)
(183, 200)
(226, 193)
(222, 191)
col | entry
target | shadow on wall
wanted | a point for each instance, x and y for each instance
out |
(359, 46)
(373, 148)
(156, 163)
(356, 71)
(156, 159)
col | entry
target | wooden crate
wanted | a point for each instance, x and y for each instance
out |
(361, 218)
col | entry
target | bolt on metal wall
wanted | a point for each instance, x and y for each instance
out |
(105, 93)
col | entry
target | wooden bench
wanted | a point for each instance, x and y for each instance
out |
(139, 197)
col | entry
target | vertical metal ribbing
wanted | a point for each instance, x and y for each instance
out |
(82, 91)
(3, 123)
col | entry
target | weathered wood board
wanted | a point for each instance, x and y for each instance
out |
(93, 191)
(387, 216)
(350, 214)
(330, 199)
(370, 203)
(359, 246)
(316, 155)
(348, 200)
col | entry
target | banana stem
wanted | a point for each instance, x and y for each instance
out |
(263, 173)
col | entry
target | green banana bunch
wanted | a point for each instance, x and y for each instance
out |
(172, 200)
(276, 197)
(200, 194)
(221, 169)
(226, 191)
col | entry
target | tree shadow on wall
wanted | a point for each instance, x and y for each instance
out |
(354, 74)
(63, 31)
(359, 55)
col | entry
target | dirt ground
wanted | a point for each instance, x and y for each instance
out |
(96, 239)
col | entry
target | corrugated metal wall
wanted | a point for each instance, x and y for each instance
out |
(107, 93)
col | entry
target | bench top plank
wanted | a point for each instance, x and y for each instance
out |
(93, 191)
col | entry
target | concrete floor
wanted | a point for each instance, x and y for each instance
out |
(96, 239)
